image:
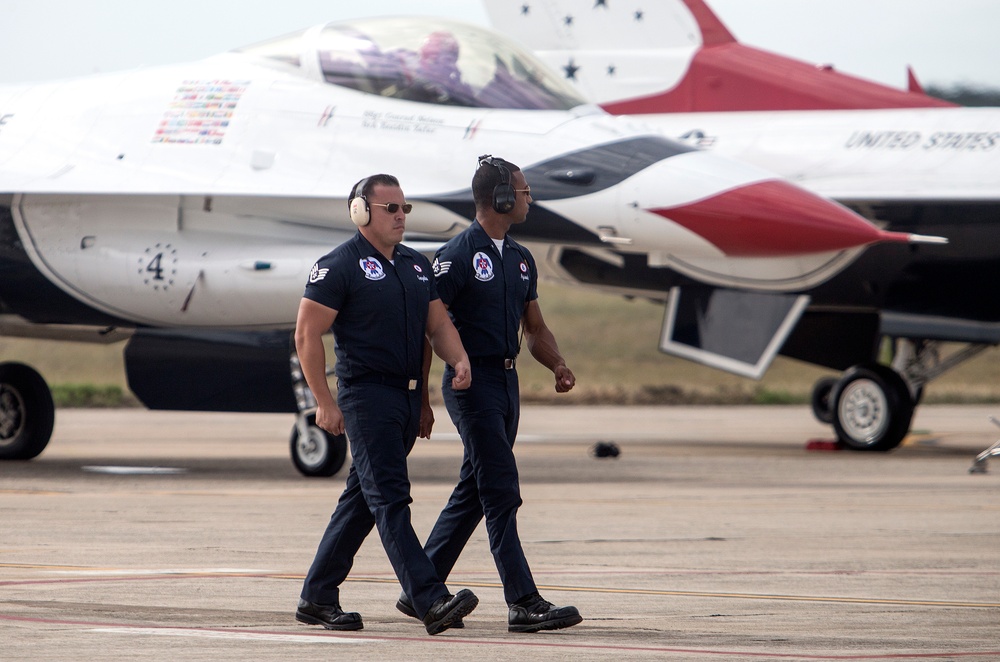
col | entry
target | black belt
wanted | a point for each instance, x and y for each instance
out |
(395, 381)
(493, 362)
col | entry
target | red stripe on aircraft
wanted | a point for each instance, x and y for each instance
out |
(774, 218)
(734, 77)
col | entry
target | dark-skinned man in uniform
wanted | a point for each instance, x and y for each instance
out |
(380, 299)
(489, 284)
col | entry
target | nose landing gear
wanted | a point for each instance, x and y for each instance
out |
(315, 452)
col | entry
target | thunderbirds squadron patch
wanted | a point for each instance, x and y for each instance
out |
(482, 266)
(372, 268)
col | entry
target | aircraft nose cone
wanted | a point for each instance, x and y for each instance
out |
(774, 218)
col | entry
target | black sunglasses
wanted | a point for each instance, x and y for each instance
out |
(393, 207)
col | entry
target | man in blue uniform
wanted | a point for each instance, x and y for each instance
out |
(489, 284)
(380, 299)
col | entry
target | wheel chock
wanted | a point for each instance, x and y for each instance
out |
(825, 445)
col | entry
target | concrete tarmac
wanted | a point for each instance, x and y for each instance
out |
(714, 535)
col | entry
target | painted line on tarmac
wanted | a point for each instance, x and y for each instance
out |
(119, 470)
(710, 594)
(767, 596)
(90, 570)
(337, 638)
(331, 638)
(99, 575)
(240, 635)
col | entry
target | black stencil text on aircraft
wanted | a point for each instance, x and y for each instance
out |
(971, 141)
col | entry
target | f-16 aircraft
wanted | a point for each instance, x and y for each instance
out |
(181, 208)
(904, 160)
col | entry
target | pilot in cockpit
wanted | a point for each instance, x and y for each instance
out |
(437, 78)
(385, 63)
(359, 63)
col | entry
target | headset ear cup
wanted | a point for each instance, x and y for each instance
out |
(359, 211)
(503, 198)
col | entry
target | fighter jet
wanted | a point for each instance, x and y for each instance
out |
(180, 208)
(903, 160)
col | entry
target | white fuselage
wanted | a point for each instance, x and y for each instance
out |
(898, 154)
(200, 195)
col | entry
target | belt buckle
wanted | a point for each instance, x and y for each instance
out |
(508, 364)
(412, 386)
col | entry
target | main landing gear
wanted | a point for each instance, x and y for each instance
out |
(27, 413)
(27, 416)
(871, 405)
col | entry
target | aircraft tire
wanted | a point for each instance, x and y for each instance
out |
(822, 405)
(872, 408)
(320, 455)
(27, 413)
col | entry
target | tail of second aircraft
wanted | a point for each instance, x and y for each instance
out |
(677, 56)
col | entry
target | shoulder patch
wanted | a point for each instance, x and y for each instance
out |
(316, 274)
(441, 268)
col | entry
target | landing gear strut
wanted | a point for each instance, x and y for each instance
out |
(979, 465)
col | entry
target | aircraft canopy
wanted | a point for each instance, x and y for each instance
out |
(427, 60)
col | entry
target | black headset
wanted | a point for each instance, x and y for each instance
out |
(504, 196)
(360, 211)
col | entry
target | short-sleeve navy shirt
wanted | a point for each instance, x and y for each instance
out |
(485, 292)
(381, 307)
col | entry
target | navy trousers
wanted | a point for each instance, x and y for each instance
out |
(382, 424)
(486, 416)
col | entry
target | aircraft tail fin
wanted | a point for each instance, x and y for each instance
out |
(713, 31)
(678, 56)
(912, 84)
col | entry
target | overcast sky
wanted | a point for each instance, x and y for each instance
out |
(946, 41)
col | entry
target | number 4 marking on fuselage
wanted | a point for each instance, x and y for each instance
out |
(154, 267)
